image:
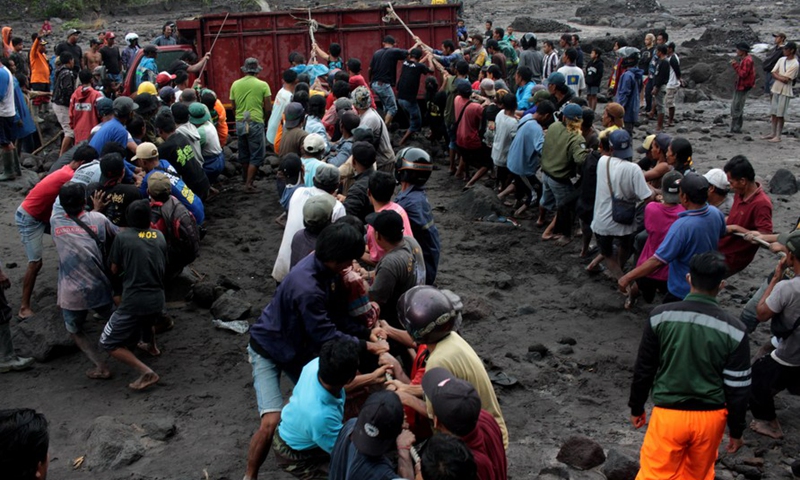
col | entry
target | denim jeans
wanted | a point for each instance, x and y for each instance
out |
(386, 95)
(737, 110)
(267, 382)
(251, 143)
(554, 194)
(414, 115)
(31, 231)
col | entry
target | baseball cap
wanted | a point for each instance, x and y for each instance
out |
(158, 184)
(313, 143)
(123, 106)
(670, 185)
(487, 85)
(791, 240)
(164, 78)
(105, 106)
(615, 110)
(718, 178)
(572, 111)
(779, 34)
(294, 115)
(693, 183)
(343, 103)
(455, 402)
(361, 98)
(317, 211)
(326, 177)
(110, 35)
(73, 31)
(648, 142)
(556, 78)
(463, 87)
(663, 140)
(166, 94)
(620, 141)
(379, 423)
(388, 223)
(146, 151)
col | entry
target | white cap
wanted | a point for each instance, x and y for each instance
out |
(313, 143)
(718, 178)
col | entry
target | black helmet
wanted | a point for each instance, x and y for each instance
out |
(528, 41)
(413, 165)
(429, 314)
(629, 55)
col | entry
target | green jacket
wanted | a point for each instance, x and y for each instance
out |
(563, 152)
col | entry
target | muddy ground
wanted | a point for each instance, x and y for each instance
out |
(518, 291)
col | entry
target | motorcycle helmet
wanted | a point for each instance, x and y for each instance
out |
(528, 41)
(413, 165)
(429, 314)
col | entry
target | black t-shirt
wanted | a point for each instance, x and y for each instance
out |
(410, 75)
(141, 256)
(73, 49)
(119, 197)
(179, 153)
(111, 60)
(383, 67)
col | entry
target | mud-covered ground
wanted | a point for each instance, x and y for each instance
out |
(518, 291)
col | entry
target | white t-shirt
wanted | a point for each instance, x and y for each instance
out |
(209, 140)
(787, 68)
(294, 223)
(283, 98)
(7, 107)
(673, 81)
(785, 302)
(575, 78)
(505, 128)
(628, 182)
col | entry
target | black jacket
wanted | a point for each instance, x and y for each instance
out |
(772, 58)
(357, 202)
(661, 77)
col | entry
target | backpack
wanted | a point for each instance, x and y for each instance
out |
(180, 230)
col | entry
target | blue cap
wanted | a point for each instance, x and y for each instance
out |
(556, 78)
(104, 106)
(572, 111)
(621, 145)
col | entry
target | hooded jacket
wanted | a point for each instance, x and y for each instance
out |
(82, 113)
(7, 41)
(190, 133)
(628, 93)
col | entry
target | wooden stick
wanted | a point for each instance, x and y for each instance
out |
(49, 142)
(391, 10)
(213, 44)
(760, 241)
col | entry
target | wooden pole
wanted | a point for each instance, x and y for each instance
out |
(49, 142)
(213, 44)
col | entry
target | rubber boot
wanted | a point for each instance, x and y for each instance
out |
(8, 359)
(16, 163)
(8, 167)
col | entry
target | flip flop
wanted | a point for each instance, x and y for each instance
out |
(502, 379)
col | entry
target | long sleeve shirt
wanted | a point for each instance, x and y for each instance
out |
(694, 356)
(745, 73)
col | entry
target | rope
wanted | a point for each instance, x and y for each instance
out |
(395, 15)
(312, 27)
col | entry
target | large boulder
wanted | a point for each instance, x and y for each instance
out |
(228, 307)
(701, 73)
(724, 36)
(619, 466)
(581, 452)
(43, 336)
(112, 445)
(783, 183)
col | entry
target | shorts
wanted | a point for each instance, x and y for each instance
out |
(31, 231)
(554, 194)
(42, 99)
(669, 97)
(480, 157)
(592, 90)
(451, 137)
(73, 319)
(659, 97)
(7, 136)
(385, 93)
(62, 114)
(123, 329)
(605, 243)
(267, 382)
(252, 143)
(779, 105)
(308, 464)
(681, 444)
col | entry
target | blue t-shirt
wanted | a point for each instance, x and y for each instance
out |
(111, 131)
(313, 417)
(524, 95)
(310, 166)
(695, 231)
(348, 463)
(179, 190)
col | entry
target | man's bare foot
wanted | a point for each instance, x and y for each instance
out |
(547, 236)
(25, 313)
(521, 210)
(250, 189)
(774, 139)
(770, 429)
(149, 348)
(98, 373)
(594, 266)
(767, 137)
(149, 378)
(563, 241)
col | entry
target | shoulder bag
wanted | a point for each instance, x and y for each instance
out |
(622, 211)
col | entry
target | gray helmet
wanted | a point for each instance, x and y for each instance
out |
(429, 314)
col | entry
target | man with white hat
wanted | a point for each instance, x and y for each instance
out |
(718, 189)
(312, 151)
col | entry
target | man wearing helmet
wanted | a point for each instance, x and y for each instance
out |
(413, 168)
(432, 316)
(129, 52)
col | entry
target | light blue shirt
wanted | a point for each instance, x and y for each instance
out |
(525, 152)
(310, 165)
(313, 417)
(524, 95)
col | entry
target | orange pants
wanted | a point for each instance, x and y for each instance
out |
(681, 444)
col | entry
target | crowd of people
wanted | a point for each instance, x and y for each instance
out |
(357, 324)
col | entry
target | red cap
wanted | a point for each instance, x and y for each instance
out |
(164, 78)
(110, 35)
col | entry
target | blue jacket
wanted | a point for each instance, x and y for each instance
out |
(525, 152)
(628, 93)
(420, 216)
(23, 121)
(306, 311)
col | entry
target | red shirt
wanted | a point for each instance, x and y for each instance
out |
(40, 200)
(752, 213)
(486, 443)
(745, 73)
(467, 133)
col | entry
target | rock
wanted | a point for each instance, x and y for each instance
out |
(22, 183)
(227, 283)
(274, 161)
(266, 170)
(754, 462)
(533, 356)
(783, 183)
(705, 130)
(111, 445)
(796, 468)
(530, 24)
(475, 308)
(724, 35)
(701, 72)
(747, 138)
(525, 310)
(567, 341)
(160, 428)
(229, 170)
(503, 281)
(553, 473)
(619, 466)
(205, 293)
(682, 130)
(750, 20)
(478, 202)
(228, 307)
(581, 452)
(30, 161)
(11, 265)
(565, 350)
(538, 348)
(43, 336)
(719, 120)
(593, 300)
